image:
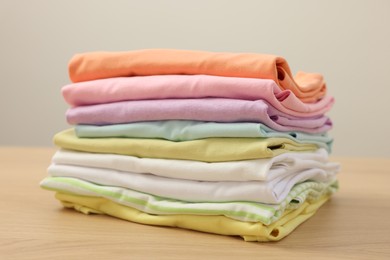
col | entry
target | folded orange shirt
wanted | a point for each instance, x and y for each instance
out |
(309, 87)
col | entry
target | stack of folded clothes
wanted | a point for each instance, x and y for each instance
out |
(223, 143)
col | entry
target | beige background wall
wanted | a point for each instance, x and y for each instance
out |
(346, 40)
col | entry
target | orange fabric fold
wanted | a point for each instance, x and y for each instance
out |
(309, 87)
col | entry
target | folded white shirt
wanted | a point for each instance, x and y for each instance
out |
(271, 192)
(247, 170)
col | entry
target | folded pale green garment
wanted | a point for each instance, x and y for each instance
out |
(212, 224)
(208, 150)
(239, 210)
(183, 130)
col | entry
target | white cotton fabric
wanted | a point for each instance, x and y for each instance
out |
(271, 192)
(247, 170)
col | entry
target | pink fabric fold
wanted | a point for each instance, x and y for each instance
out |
(309, 87)
(206, 109)
(191, 86)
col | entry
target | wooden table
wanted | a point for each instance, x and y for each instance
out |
(355, 224)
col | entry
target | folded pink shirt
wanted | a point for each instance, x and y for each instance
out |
(205, 109)
(191, 86)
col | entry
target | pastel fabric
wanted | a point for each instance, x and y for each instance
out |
(211, 109)
(190, 87)
(183, 130)
(270, 192)
(243, 211)
(309, 87)
(225, 143)
(247, 170)
(211, 224)
(207, 150)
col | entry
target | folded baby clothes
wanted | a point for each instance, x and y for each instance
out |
(238, 210)
(247, 170)
(224, 143)
(272, 192)
(184, 130)
(191, 87)
(207, 150)
(98, 65)
(216, 110)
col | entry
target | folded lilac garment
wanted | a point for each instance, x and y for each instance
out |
(191, 86)
(211, 109)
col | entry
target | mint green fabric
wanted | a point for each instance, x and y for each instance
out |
(177, 130)
(239, 210)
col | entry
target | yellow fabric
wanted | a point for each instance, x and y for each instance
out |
(212, 224)
(207, 150)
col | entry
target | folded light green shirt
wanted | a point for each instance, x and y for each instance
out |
(310, 191)
(207, 150)
(183, 130)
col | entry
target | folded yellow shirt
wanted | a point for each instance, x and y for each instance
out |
(207, 150)
(211, 224)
